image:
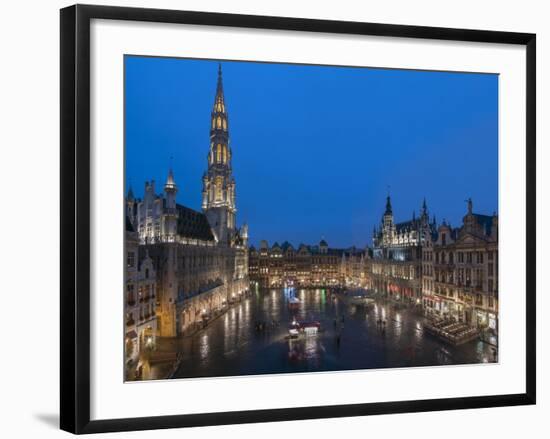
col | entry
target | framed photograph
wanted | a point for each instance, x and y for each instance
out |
(268, 218)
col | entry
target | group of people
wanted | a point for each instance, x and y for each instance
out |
(381, 325)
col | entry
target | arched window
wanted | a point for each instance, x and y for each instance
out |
(225, 125)
(224, 153)
(219, 184)
(213, 123)
(219, 122)
(219, 153)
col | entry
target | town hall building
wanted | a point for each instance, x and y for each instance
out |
(199, 259)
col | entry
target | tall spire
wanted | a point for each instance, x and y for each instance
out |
(388, 206)
(219, 89)
(219, 101)
(219, 195)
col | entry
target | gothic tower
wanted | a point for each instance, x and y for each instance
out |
(387, 223)
(170, 211)
(218, 193)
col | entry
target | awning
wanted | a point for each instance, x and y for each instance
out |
(131, 335)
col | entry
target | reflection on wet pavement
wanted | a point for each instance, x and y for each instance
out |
(351, 338)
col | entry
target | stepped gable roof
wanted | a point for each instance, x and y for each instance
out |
(286, 245)
(193, 224)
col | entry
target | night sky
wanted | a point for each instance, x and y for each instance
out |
(315, 148)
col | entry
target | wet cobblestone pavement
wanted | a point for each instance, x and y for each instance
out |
(351, 338)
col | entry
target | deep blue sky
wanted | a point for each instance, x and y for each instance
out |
(315, 148)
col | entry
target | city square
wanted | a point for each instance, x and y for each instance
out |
(207, 295)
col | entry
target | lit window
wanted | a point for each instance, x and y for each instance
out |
(219, 122)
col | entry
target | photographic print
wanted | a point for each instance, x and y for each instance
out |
(285, 218)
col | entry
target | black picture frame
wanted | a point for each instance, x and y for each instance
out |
(75, 217)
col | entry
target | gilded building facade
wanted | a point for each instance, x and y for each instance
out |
(200, 259)
(462, 264)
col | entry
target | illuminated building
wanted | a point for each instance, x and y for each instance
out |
(200, 258)
(307, 266)
(354, 267)
(395, 269)
(218, 194)
(140, 297)
(464, 263)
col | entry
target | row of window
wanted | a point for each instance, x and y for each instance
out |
(219, 123)
(219, 107)
(219, 154)
(470, 257)
(145, 292)
(144, 313)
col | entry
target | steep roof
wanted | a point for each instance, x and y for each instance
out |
(407, 225)
(193, 224)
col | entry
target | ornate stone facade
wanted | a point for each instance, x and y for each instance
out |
(396, 266)
(308, 266)
(200, 258)
(140, 297)
(463, 267)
